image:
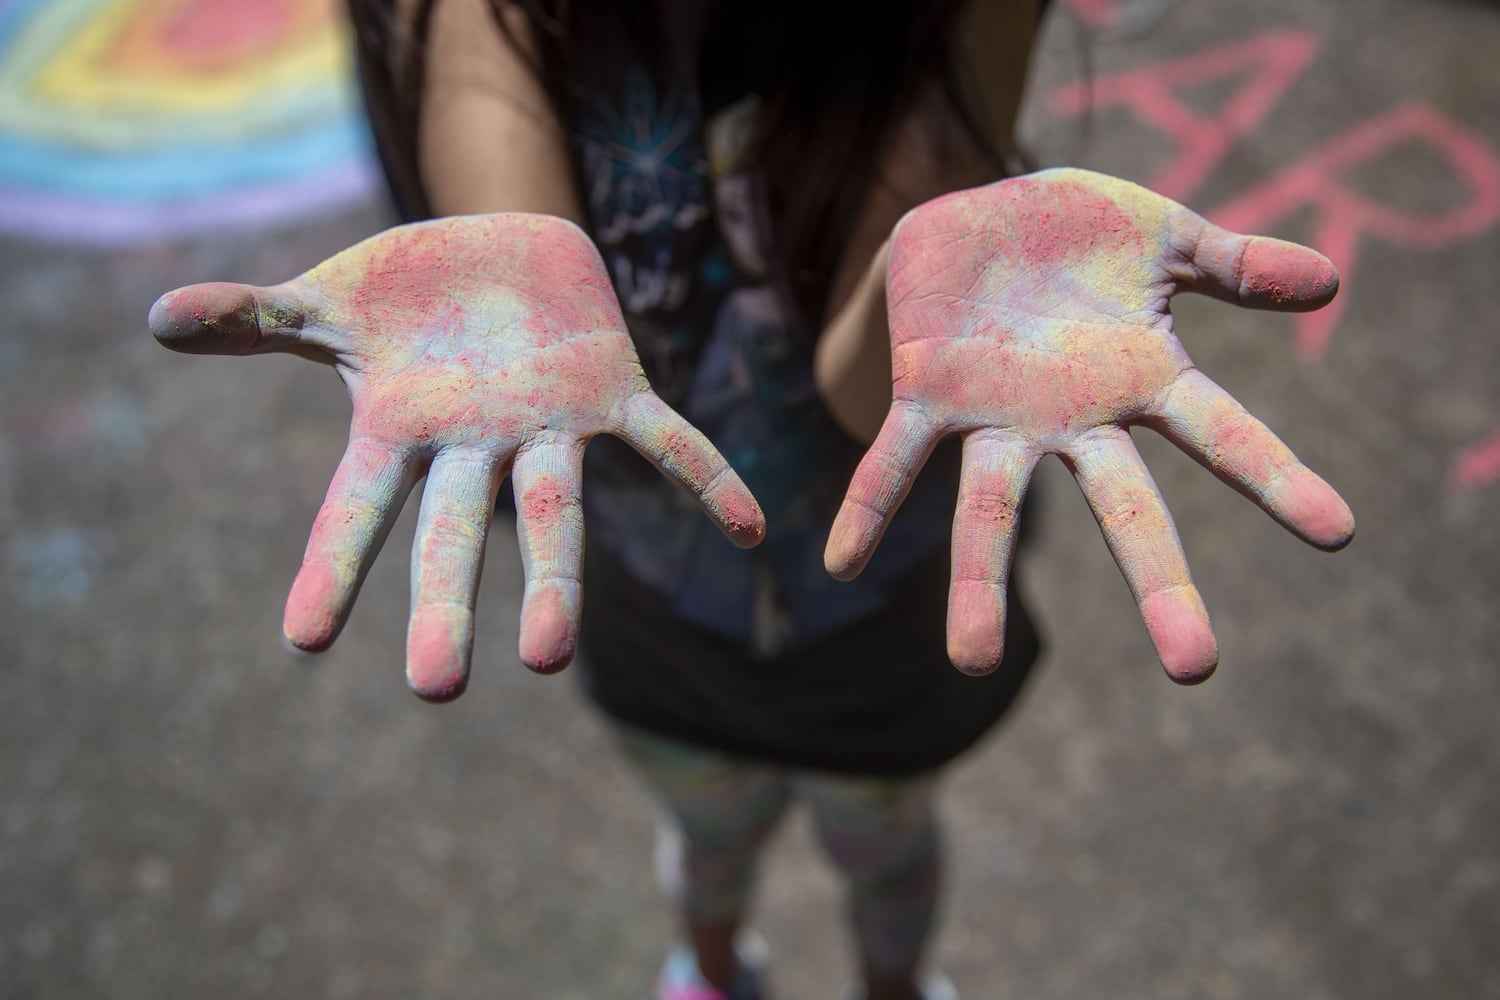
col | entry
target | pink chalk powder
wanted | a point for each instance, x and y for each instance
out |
(1032, 317)
(467, 344)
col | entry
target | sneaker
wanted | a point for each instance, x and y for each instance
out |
(935, 986)
(681, 980)
(938, 987)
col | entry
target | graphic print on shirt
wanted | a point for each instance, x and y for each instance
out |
(681, 223)
(643, 177)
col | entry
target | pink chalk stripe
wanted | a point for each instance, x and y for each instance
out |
(1477, 465)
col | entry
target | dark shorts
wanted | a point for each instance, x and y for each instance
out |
(877, 698)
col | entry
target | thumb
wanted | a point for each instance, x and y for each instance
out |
(1260, 272)
(222, 317)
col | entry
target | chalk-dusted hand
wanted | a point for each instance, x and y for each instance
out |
(472, 347)
(1032, 316)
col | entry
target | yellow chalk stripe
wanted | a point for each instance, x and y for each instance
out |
(71, 98)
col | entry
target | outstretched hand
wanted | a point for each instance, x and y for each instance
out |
(1032, 316)
(472, 348)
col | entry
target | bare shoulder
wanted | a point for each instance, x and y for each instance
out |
(933, 149)
(936, 150)
(488, 139)
(995, 39)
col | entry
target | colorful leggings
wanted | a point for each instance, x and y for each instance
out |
(881, 833)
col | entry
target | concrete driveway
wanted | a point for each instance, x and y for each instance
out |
(188, 810)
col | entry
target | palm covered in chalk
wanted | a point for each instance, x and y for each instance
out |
(472, 348)
(1032, 317)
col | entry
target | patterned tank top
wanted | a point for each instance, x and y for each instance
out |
(682, 226)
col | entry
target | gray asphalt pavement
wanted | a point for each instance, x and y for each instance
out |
(189, 810)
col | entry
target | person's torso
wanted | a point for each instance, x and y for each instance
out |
(681, 222)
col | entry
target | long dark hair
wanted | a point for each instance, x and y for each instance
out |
(839, 86)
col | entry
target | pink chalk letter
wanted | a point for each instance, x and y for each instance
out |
(1478, 465)
(1095, 13)
(1271, 62)
(1343, 217)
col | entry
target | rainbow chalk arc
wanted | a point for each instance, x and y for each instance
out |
(123, 121)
